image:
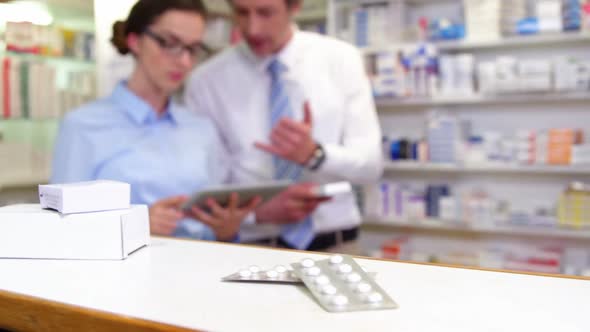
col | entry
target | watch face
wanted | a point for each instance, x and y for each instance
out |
(317, 158)
(318, 152)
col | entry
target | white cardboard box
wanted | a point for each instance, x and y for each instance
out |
(29, 231)
(81, 197)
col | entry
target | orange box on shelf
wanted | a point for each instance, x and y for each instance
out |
(559, 155)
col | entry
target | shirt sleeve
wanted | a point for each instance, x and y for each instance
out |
(198, 100)
(358, 158)
(71, 159)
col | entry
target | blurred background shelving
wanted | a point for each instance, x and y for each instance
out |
(48, 68)
(484, 110)
(77, 65)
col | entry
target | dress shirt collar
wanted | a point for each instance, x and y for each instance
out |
(138, 109)
(289, 55)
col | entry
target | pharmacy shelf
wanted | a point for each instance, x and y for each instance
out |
(391, 104)
(221, 9)
(24, 181)
(517, 41)
(418, 167)
(507, 42)
(440, 226)
(50, 59)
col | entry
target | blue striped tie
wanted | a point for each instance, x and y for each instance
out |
(297, 235)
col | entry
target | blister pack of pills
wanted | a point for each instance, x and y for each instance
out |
(339, 284)
(278, 274)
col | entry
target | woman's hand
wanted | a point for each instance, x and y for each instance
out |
(166, 214)
(225, 222)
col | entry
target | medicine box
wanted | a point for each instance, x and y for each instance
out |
(81, 197)
(29, 231)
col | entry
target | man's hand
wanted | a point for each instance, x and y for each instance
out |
(291, 140)
(291, 206)
(165, 215)
(225, 222)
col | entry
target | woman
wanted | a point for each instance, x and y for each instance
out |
(139, 135)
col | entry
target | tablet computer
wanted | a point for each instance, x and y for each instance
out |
(221, 194)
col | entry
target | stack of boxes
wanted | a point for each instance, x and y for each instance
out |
(550, 16)
(81, 221)
(512, 12)
(525, 146)
(370, 24)
(30, 89)
(571, 74)
(483, 19)
(378, 23)
(535, 75)
(506, 79)
(574, 206)
(361, 20)
(508, 74)
(456, 75)
(421, 72)
(560, 145)
(387, 75)
(572, 15)
(25, 37)
(443, 139)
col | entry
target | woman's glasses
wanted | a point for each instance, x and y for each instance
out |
(197, 51)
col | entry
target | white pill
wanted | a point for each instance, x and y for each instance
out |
(336, 259)
(363, 288)
(281, 269)
(353, 278)
(272, 274)
(340, 300)
(254, 269)
(322, 280)
(344, 268)
(307, 263)
(375, 298)
(245, 273)
(313, 271)
(329, 290)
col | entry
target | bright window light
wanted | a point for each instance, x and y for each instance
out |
(25, 11)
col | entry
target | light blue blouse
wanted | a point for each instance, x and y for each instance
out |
(121, 138)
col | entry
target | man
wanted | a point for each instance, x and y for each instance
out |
(292, 105)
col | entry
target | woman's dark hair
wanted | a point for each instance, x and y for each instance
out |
(144, 13)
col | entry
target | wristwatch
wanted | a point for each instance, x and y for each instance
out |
(317, 158)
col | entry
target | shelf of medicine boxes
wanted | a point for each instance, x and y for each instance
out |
(50, 59)
(221, 9)
(421, 167)
(549, 39)
(396, 104)
(449, 227)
